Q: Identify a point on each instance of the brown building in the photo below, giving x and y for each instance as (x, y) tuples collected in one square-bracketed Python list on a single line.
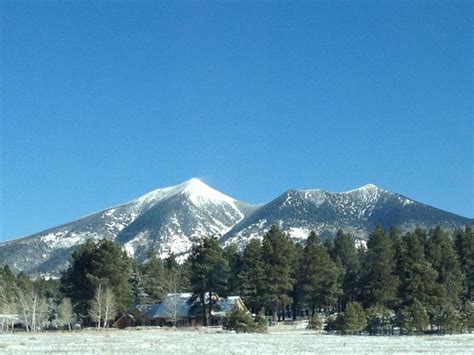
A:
[(176, 309)]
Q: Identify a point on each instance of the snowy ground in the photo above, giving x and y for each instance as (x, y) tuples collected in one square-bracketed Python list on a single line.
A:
[(281, 341)]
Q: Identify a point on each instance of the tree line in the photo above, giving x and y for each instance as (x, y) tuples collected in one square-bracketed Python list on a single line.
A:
[(419, 281)]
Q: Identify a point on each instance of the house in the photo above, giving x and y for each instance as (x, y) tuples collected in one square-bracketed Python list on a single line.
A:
[(176, 309), (125, 321), (12, 321), (137, 316)]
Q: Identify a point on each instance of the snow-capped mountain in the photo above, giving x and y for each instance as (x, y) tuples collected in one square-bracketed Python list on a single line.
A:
[(175, 216), (356, 212), (167, 220)]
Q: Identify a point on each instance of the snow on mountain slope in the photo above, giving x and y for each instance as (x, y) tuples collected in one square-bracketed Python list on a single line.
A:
[(198, 192), (169, 219), (182, 213), (356, 212), (166, 220)]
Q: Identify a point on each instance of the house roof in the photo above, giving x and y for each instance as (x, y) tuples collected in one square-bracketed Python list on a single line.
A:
[(124, 316), (167, 308), (13, 318), (226, 305), (179, 302)]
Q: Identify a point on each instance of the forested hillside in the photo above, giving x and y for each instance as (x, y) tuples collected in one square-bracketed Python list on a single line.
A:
[(418, 281)]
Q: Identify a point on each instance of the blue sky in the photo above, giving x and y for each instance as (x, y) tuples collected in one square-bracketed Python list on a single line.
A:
[(104, 101)]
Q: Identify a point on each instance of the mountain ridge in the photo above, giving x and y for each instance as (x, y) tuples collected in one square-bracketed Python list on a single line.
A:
[(169, 219)]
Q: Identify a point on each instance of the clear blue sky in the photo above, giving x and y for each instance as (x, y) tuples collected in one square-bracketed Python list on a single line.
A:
[(104, 101)]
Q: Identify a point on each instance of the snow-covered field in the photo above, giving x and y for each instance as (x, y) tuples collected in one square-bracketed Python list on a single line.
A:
[(281, 341)]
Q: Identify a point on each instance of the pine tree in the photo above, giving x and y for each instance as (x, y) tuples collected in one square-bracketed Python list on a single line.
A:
[(112, 264), (380, 320), (137, 286), (250, 276), (440, 253), (379, 280), (74, 281), (445, 317), (241, 321), (345, 255), (185, 272), (170, 264), (329, 245), (467, 317), (96, 263), (297, 294), (414, 317), (320, 276), (464, 245), (9, 283), (417, 277), (278, 264), (354, 319), (234, 260), (153, 277), (209, 274)]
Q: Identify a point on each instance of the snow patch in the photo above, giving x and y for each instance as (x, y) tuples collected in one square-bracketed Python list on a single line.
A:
[(299, 233)]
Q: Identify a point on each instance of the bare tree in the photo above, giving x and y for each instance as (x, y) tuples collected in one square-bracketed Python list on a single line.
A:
[(33, 307), (103, 306), (8, 306), (3, 307), (7, 309), (171, 307), (24, 307), (39, 311), (96, 306), (66, 314), (173, 283), (110, 308)]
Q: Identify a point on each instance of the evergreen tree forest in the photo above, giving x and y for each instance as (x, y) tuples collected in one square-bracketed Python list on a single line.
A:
[(419, 282)]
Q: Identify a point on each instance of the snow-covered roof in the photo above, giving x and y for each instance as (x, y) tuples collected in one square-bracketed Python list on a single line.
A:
[(12, 318), (226, 305)]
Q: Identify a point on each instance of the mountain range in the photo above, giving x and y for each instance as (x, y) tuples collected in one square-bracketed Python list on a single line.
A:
[(168, 220)]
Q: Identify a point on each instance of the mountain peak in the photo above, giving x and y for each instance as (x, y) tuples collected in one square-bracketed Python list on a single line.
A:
[(369, 187), (196, 190), (193, 181), (366, 188), (194, 185), (171, 218)]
